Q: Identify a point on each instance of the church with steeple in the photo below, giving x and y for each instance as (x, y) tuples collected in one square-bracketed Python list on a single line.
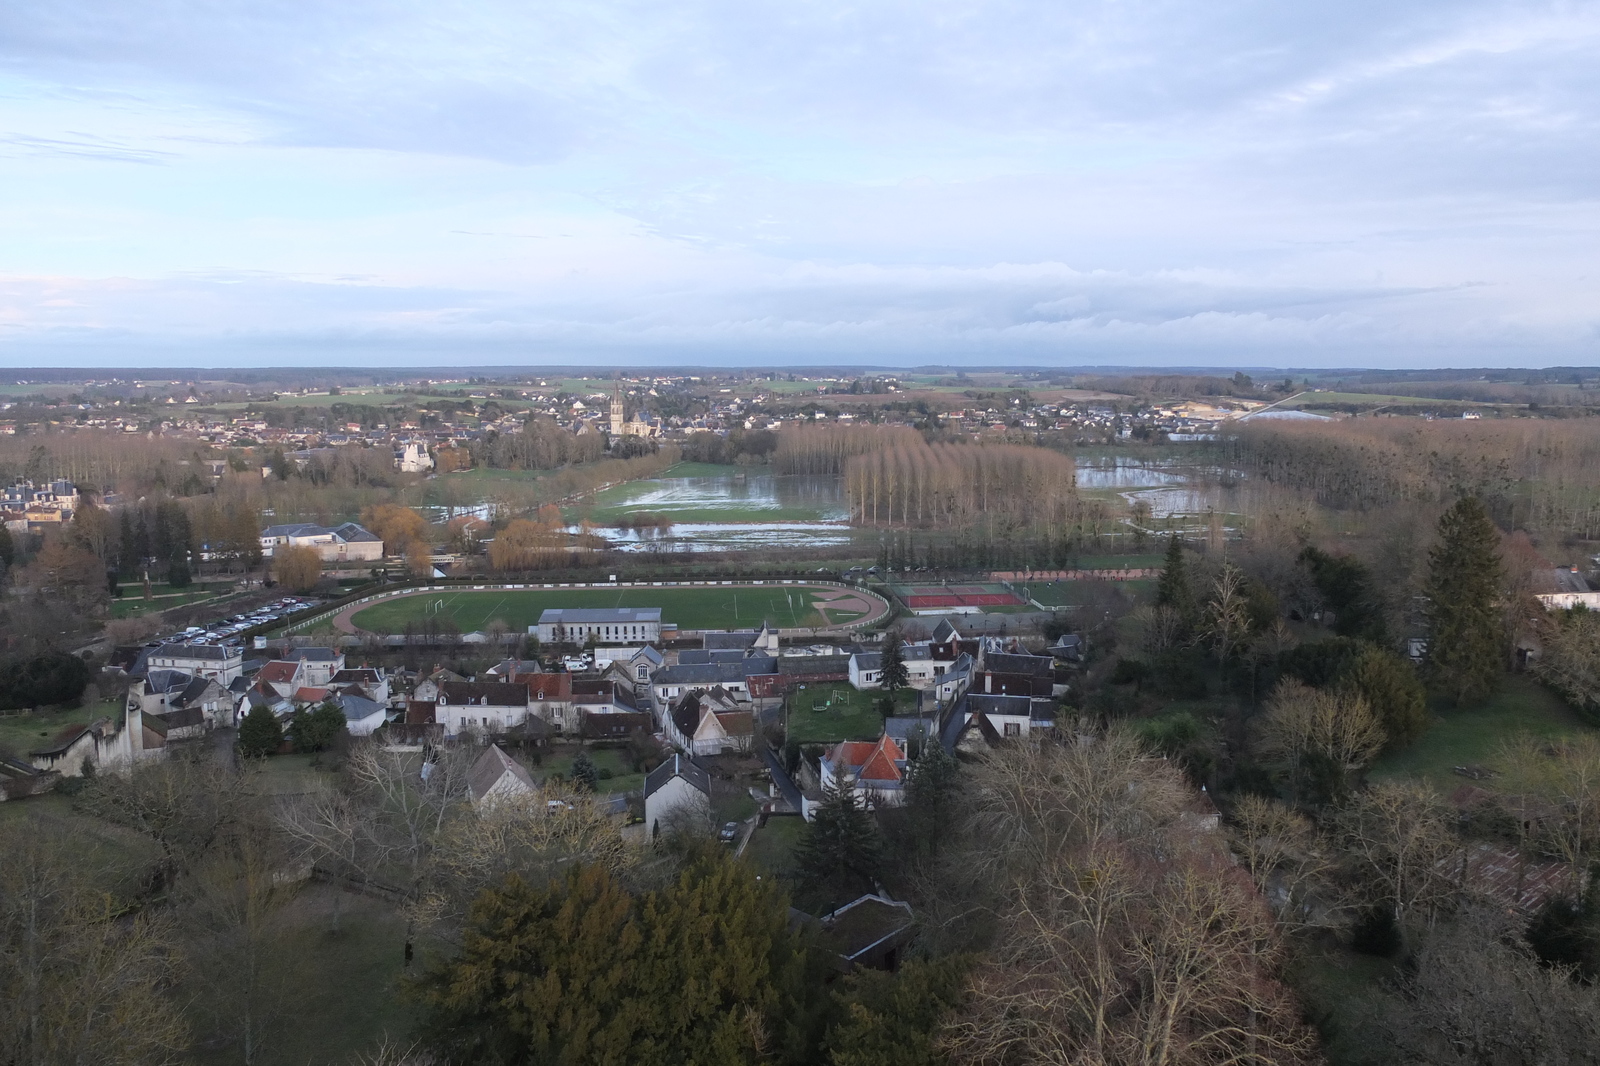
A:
[(640, 426)]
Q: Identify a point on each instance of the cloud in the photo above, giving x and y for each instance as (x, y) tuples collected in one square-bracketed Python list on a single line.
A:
[(998, 179)]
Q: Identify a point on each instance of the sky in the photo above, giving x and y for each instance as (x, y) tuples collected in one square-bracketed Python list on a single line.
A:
[(1074, 182)]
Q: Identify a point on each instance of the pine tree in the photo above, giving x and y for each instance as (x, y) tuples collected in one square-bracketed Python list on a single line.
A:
[(1172, 590), (841, 854), (584, 774), (1465, 647), (259, 733)]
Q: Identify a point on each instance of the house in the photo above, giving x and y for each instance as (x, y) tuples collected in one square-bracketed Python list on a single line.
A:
[(550, 699), (874, 770), (428, 688), (496, 777), (677, 797), (1010, 716), (201, 703), (712, 723), (794, 671), (955, 680), (671, 682), (911, 732), (636, 667), (1015, 674), (601, 697), (343, 543), (1069, 648), (412, 458), (365, 681), (480, 707), (219, 662), (868, 932), (866, 669), (361, 715), (320, 664), (607, 625), (282, 677), (613, 726)]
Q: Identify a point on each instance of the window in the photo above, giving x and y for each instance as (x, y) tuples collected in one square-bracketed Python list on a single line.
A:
[(1013, 729), (643, 673)]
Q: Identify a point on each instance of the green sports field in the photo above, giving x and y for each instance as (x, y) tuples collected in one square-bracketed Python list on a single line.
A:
[(709, 607)]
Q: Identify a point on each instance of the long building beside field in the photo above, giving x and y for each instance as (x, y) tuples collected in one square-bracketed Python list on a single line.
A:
[(609, 625)]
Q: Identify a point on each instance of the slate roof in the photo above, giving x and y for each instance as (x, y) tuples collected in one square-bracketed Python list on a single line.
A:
[(693, 657), (867, 660), (477, 693), (356, 708), (490, 767), (677, 765), (705, 674), (555, 616), (813, 665), (1027, 665), (178, 650)]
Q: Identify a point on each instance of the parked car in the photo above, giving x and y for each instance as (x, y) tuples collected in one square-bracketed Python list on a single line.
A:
[(730, 833)]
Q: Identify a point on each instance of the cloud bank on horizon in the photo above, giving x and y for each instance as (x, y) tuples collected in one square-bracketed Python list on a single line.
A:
[(611, 181)]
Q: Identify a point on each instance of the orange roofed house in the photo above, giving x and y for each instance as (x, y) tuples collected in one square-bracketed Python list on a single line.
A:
[(875, 769)]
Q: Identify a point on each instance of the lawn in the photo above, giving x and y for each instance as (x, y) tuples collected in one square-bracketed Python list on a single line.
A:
[(720, 607), (622, 779), (342, 991), (771, 847), (133, 604), (1471, 736), (284, 775), (24, 731), (823, 713)]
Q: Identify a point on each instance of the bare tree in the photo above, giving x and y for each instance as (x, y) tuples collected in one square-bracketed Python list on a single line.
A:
[(1280, 848), (80, 981), (1311, 728), (1556, 786), (1227, 619), (1477, 995), (1398, 834), (1124, 934)]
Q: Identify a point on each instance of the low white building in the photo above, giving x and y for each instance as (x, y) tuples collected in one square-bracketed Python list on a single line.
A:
[(608, 625), (217, 662), (468, 706), (344, 543), (412, 458)]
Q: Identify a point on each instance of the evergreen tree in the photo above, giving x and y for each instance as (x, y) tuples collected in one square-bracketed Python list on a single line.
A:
[(260, 733), (316, 728), (840, 855), (584, 774), (1172, 590), (1390, 686), (1465, 645), (892, 664), (892, 1019), (933, 787), (8, 547), (578, 971), (1346, 587)]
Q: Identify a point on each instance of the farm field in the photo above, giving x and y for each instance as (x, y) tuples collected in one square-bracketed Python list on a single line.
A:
[(1473, 735), (709, 607)]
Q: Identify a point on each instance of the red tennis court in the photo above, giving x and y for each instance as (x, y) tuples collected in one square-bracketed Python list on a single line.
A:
[(925, 597)]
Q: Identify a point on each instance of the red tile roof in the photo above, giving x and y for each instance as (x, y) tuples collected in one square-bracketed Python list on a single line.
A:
[(279, 670)]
